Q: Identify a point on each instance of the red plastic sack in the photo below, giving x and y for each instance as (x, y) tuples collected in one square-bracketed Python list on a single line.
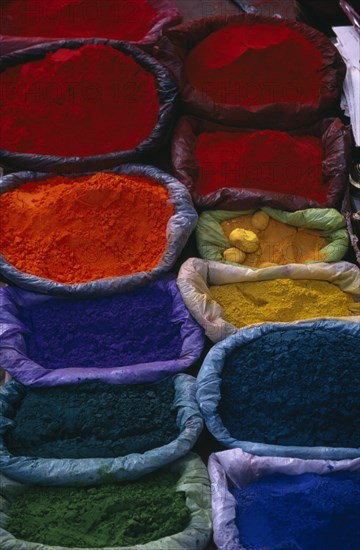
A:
[(174, 47), (167, 14), (336, 143)]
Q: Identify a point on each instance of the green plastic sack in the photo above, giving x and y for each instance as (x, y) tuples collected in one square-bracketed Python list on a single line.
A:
[(194, 481), (211, 240)]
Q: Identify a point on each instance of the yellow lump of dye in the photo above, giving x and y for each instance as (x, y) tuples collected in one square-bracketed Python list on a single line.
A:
[(280, 243), (281, 300)]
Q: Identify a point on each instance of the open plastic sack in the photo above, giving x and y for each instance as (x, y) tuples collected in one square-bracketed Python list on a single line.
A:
[(166, 16), (196, 276), (237, 468), (88, 471), (180, 227), (209, 383), (335, 138), (193, 480), (212, 242), (176, 43), (167, 92), (15, 360)]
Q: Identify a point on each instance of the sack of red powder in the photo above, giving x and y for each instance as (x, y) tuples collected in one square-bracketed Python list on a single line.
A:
[(239, 169), (253, 71), (24, 23), (97, 233), (78, 105)]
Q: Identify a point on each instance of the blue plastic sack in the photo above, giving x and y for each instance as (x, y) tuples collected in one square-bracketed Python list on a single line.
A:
[(209, 380), (179, 228), (14, 359), (92, 471)]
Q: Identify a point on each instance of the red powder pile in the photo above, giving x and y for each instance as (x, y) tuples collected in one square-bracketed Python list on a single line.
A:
[(88, 101), (87, 228), (118, 19), (254, 64), (270, 160)]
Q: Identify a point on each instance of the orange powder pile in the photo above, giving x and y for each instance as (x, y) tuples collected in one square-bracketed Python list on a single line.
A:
[(87, 228), (280, 243)]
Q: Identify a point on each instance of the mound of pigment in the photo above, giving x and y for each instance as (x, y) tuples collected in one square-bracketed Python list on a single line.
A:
[(126, 514), (129, 20), (306, 512), (255, 64), (281, 300), (294, 387), (88, 101), (269, 160), (86, 228), (93, 420), (108, 332), (280, 243)]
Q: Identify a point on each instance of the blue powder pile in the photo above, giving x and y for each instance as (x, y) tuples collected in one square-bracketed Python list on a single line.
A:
[(305, 512), (109, 332), (294, 387)]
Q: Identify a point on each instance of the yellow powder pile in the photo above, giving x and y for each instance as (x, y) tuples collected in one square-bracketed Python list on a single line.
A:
[(281, 300), (280, 243)]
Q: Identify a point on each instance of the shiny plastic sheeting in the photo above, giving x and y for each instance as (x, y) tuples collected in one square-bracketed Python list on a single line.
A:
[(92, 471), (336, 141), (193, 481), (15, 361), (209, 380), (238, 468), (180, 227), (196, 276)]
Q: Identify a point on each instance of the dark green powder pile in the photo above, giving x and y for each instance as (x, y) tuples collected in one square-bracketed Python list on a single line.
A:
[(93, 420), (113, 515)]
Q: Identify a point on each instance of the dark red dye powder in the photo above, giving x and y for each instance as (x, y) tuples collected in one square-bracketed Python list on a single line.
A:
[(118, 19), (270, 160), (88, 101), (255, 64)]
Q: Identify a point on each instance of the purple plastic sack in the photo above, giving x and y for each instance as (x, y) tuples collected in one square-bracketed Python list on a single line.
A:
[(234, 467), (13, 351)]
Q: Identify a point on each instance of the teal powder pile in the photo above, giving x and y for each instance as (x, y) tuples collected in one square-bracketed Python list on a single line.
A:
[(130, 513), (93, 420), (304, 512)]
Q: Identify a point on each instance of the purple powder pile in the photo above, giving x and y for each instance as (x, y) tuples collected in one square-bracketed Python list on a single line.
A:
[(107, 332), (304, 512)]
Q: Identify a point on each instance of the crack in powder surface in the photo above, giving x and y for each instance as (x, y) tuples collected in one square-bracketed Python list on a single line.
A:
[(86, 228), (93, 420)]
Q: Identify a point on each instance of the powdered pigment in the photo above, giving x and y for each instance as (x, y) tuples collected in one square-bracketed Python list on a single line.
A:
[(109, 332), (267, 159), (281, 300), (280, 243), (255, 64), (94, 419), (294, 387), (130, 513), (86, 228), (75, 18), (87, 101), (306, 512)]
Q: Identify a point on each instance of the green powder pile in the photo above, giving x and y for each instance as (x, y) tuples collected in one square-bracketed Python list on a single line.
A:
[(129, 513)]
